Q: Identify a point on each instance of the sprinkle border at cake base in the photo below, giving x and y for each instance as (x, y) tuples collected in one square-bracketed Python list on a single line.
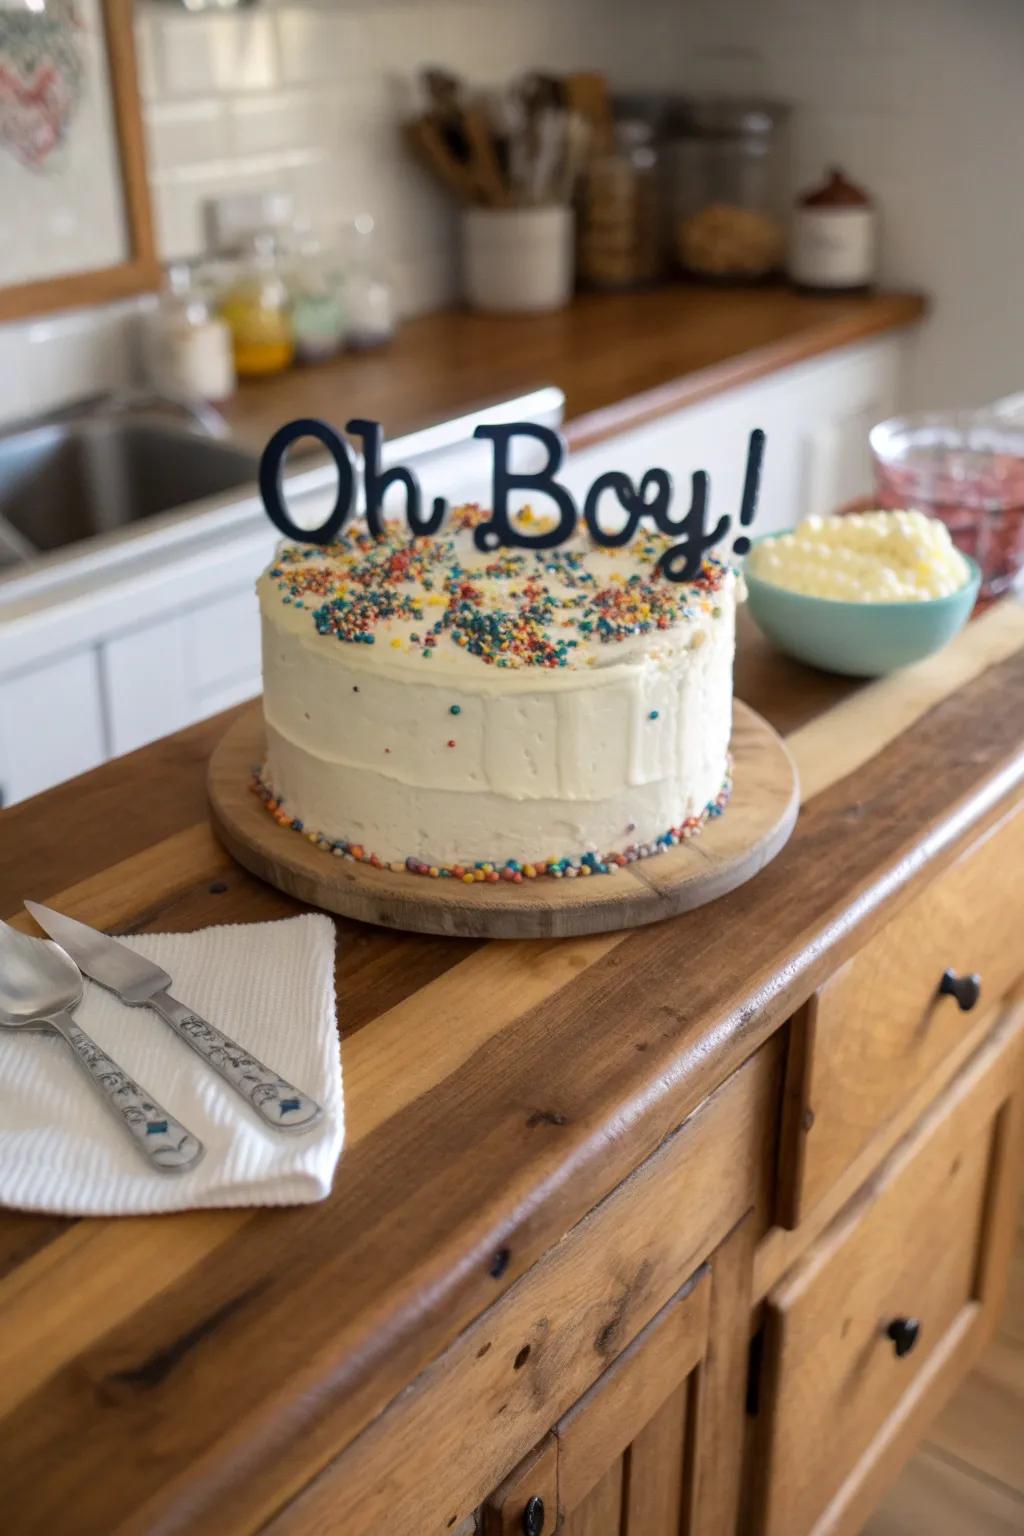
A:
[(512, 871)]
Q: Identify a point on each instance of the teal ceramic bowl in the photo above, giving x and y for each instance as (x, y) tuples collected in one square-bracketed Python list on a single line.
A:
[(858, 639)]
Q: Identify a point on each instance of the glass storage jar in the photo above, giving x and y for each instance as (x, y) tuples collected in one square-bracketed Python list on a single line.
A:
[(186, 346), (966, 468), (371, 308), (621, 212), (257, 308), (730, 190)]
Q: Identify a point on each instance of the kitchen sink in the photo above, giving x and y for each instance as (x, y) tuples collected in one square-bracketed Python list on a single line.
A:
[(65, 481)]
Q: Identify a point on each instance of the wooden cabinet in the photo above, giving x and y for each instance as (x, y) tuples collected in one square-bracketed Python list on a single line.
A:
[(527, 1362), (654, 1447), (605, 1393), (865, 1334), (882, 1025), (621, 1462)]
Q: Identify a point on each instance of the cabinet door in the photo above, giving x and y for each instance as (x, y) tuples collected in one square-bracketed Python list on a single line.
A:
[(882, 1025), (51, 725), (181, 668), (653, 1448), (868, 1334), (816, 417)]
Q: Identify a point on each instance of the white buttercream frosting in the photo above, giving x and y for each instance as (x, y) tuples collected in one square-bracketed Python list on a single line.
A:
[(572, 701)]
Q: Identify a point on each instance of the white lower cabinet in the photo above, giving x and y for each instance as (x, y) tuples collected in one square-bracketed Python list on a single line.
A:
[(168, 674), (816, 417), (51, 724)]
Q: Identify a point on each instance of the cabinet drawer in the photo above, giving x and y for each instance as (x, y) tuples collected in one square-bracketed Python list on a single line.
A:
[(862, 1339), (881, 1026)]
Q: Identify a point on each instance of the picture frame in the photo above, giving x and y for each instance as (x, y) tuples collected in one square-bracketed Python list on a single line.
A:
[(111, 147)]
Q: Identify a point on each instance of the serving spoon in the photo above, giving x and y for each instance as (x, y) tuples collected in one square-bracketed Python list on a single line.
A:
[(40, 985)]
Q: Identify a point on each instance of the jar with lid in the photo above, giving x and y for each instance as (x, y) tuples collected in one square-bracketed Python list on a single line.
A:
[(370, 297), (834, 237), (621, 210), (186, 346), (257, 307), (729, 171), (317, 283)]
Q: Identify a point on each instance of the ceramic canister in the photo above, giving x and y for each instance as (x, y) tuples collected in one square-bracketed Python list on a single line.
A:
[(834, 237)]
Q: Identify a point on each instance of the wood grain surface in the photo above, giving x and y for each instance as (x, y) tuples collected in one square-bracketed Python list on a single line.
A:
[(495, 1093), (908, 1245), (729, 850), (988, 1097), (852, 1082), (621, 359)]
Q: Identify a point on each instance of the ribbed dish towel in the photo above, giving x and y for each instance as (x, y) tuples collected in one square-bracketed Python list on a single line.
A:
[(268, 985)]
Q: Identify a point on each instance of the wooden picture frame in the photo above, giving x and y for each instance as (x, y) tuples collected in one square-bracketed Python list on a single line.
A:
[(139, 271)]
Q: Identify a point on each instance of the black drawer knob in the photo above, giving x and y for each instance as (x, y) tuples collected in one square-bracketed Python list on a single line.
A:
[(904, 1332), (533, 1517), (966, 989)]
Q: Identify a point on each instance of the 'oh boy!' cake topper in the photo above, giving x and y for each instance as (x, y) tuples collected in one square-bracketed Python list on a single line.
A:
[(651, 499)]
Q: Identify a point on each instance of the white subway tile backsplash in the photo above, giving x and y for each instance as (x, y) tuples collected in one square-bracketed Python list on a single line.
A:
[(917, 99), (146, 25), (425, 279), (46, 362), (198, 54), (320, 44), (181, 132), (284, 120), (179, 194)]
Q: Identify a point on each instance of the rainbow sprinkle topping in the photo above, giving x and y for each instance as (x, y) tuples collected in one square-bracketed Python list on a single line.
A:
[(515, 608)]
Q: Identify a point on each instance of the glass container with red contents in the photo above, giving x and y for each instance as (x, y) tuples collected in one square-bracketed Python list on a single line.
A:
[(967, 468)]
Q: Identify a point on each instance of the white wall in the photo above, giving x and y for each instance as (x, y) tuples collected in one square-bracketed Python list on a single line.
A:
[(303, 96), (923, 102), (306, 96), (919, 99)]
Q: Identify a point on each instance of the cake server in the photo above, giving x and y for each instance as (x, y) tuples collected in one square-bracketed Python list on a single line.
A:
[(40, 987), (140, 983)]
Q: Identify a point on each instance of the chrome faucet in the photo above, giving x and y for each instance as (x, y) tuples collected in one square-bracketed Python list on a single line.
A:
[(142, 399)]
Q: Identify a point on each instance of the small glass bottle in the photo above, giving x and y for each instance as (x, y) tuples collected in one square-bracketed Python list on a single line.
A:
[(318, 300), (257, 308), (370, 298), (186, 346)]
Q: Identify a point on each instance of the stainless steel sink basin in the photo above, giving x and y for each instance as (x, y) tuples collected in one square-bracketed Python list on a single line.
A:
[(68, 480)]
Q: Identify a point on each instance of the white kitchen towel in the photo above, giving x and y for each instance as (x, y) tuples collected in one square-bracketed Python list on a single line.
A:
[(270, 986)]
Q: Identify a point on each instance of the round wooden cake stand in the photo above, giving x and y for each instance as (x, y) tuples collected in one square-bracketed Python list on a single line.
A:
[(728, 851)]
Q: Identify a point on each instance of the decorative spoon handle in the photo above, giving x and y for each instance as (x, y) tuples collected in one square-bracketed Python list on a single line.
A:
[(278, 1103), (161, 1139)]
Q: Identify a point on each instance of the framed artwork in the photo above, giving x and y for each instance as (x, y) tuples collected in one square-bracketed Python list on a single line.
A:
[(76, 225)]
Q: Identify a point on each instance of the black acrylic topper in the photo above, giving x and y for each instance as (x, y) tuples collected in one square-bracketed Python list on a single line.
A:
[(652, 499)]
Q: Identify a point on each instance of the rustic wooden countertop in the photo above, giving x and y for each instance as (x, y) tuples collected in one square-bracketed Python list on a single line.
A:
[(621, 359), (191, 1374)]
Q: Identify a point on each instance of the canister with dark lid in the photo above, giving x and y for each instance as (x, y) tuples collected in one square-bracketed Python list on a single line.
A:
[(834, 240)]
